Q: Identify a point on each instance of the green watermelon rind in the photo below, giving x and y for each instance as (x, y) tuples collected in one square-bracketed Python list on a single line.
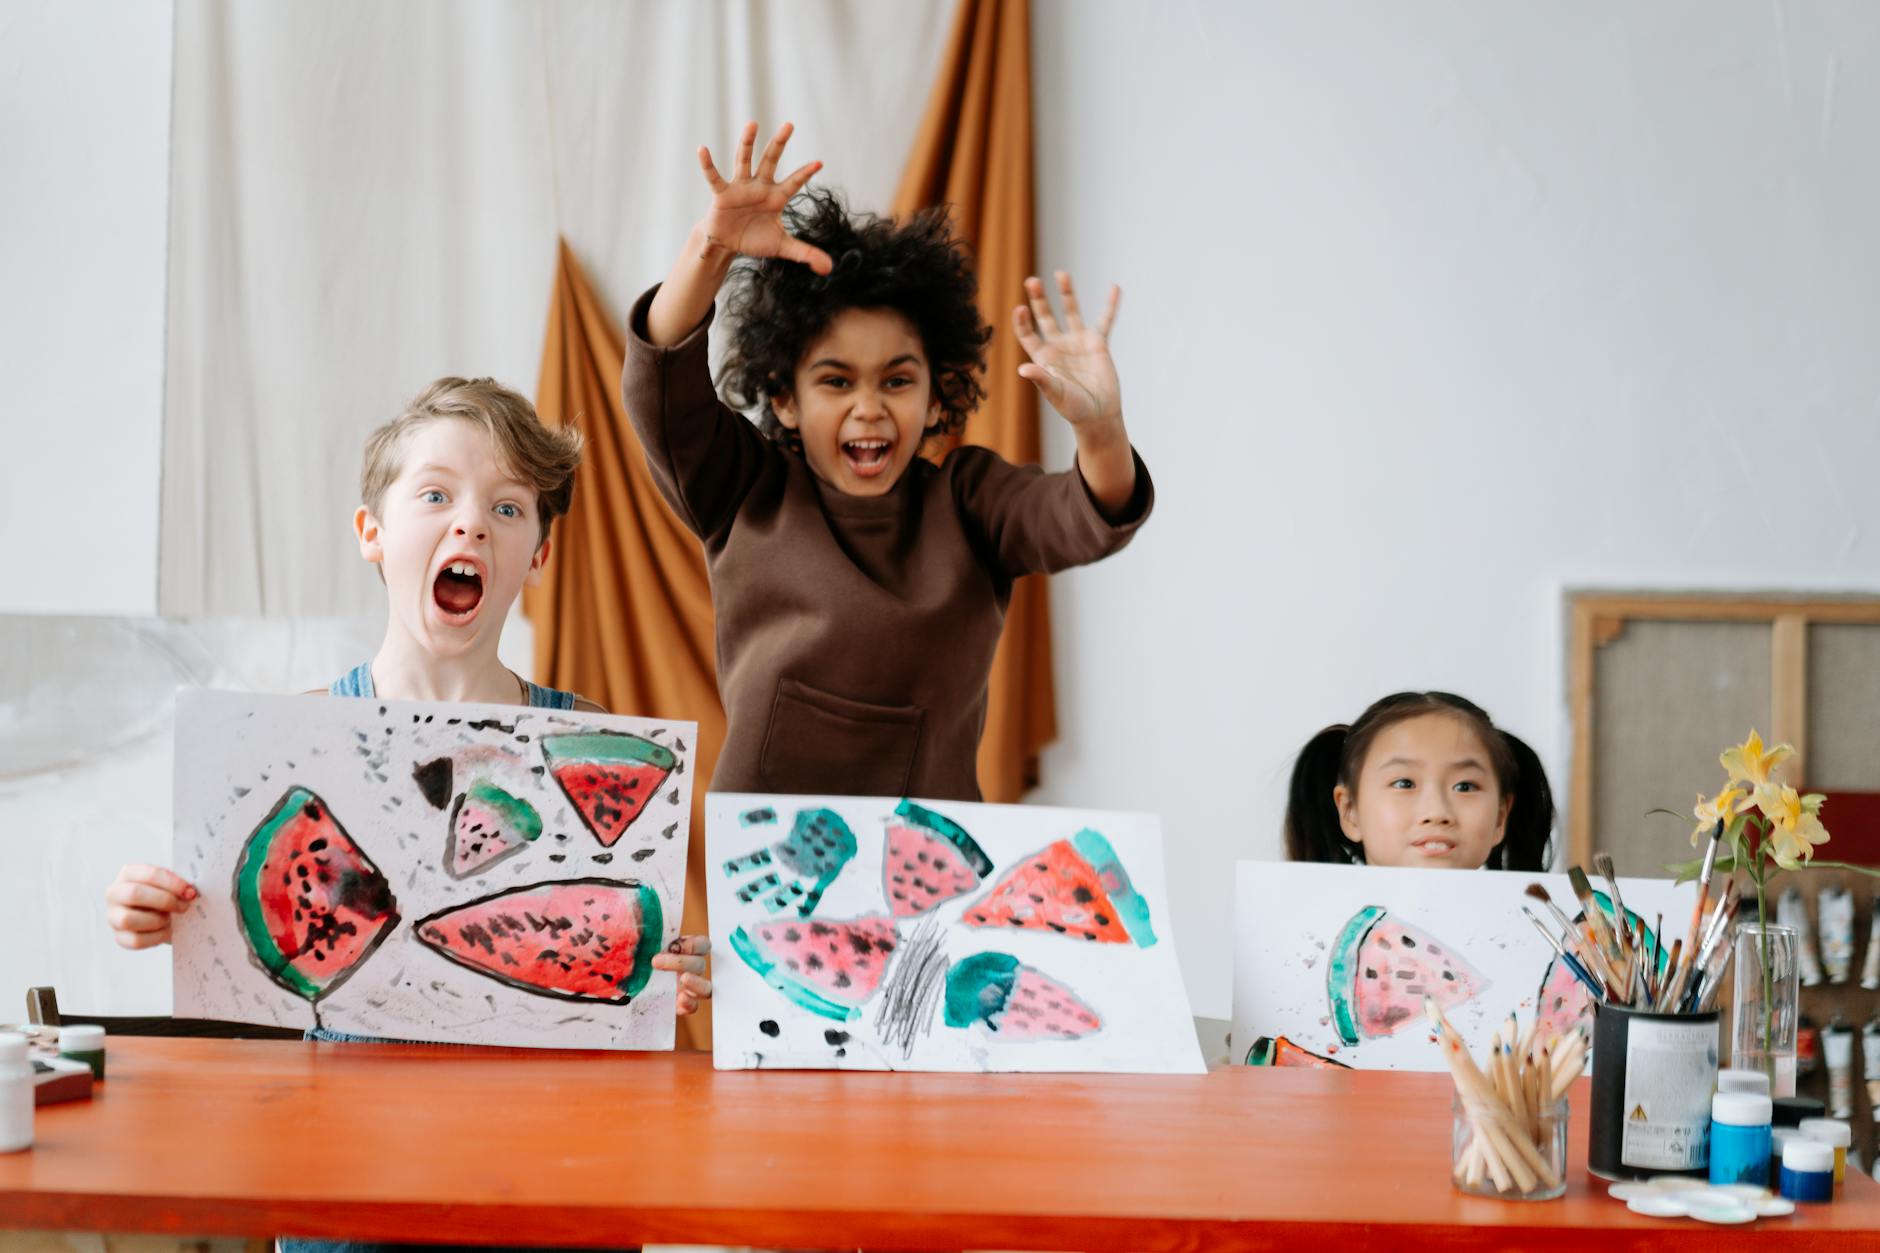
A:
[(800, 994), (966, 982), (605, 748), (517, 812), (1131, 910), (1341, 972), (277, 964), (948, 830), (651, 941)]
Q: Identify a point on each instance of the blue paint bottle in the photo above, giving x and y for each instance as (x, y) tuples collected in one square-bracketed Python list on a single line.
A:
[(1739, 1138), (1807, 1170)]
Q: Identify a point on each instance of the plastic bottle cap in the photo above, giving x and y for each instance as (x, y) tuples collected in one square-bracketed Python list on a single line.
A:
[(1804, 1155), (1829, 1131), (12, 1048), (1742, 1081), (1741, 1109), (81, 1039)]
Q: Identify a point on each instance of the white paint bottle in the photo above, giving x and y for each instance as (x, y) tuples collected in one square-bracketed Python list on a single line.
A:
[(16, 1093)]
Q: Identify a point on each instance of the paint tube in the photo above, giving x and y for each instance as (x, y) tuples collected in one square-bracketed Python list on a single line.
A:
[(1791, 911), (1838, 1043), (1835, 908), (1870, 1060), (1870, 969)]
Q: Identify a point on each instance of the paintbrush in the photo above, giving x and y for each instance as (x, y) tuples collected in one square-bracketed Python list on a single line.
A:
[(1573, 963), (1699, 954), (1588, 953), (1604, 864), (1594, 915), (1703, 886), (1706, 967)]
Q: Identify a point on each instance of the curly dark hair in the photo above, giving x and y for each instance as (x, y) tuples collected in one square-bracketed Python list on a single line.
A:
[(919, 268)]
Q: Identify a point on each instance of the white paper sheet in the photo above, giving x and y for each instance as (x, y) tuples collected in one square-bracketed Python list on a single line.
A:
[(818, 963), (440, 803), (1293, 920)]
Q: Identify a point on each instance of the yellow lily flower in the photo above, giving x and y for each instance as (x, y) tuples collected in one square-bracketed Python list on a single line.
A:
[(1794, 823), (1726, 805), (1749, 762)]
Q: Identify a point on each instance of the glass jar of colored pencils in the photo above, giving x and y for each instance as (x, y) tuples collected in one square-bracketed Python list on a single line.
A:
[(1507, 1153)]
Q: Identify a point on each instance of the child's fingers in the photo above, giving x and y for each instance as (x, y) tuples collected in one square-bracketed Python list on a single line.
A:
[(1046, 381), (691, 946), (746, 142), (135, 940), (815, 258), (712, 176), (157, 876), (1109, 311), (773, 151), (803, 173), (686, 1006), (1073, 317), (142, 896), (1027, 336), (673, 961), (140, 921), (696, 985), (1040, 308)]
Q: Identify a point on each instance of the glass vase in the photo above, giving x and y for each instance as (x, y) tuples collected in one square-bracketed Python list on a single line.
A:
[(1767, 1003)]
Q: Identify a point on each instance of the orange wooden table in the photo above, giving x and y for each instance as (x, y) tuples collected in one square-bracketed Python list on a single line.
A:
[(204, 1137)]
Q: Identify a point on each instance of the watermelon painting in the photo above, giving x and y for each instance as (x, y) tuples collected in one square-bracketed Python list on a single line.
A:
[(819, 845), (1277, 1050), (1380, 970), (1076, 888), (930, 859), (1563, 1002), (575, 939), (311, 904), (826, 966), (486, 826), (609, 776), (1015, 1002)]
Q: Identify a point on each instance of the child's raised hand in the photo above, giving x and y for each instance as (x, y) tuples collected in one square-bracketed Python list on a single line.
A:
[(1070, 364), (687, 956), (746, 215), (141, 903)]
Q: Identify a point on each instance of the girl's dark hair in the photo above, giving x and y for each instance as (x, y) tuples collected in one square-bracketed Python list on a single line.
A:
[(1336, 754), (919, 268)]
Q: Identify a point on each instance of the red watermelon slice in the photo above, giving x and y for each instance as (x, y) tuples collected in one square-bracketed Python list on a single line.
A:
[(1075, 887), (312, 905), (1270, 1050), (1381, 969), (577, 939), (488, 825), (1015, 1002), (825, 966), (930, 859), (609, 776)]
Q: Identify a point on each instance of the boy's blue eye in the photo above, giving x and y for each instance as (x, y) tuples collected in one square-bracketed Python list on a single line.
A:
[(433, 497), (1402, 784), (508, 510)]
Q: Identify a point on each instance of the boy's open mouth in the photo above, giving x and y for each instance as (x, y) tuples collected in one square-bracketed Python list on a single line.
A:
[(867, 457), (458, 590)]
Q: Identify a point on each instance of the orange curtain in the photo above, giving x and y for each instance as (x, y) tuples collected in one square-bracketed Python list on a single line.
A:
[(623, 613), (973, 153)]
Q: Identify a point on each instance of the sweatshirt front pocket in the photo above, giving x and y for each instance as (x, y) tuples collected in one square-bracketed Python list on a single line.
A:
[(821, 743)]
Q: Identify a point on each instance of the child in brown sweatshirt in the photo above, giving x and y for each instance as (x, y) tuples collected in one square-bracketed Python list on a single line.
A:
[(860, 589)]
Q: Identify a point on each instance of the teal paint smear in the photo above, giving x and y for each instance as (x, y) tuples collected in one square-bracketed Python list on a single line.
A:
[(949, 830), (806, 998), (517, 814), (1132, 911), (602, 747), (1341, 972), (978, 987)]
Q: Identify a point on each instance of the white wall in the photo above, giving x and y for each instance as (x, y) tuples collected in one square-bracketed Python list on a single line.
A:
[(84, 159), (1432, 311)]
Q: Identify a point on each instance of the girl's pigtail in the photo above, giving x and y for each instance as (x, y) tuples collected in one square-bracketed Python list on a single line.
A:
[(1312, 829), (1527, 844)]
